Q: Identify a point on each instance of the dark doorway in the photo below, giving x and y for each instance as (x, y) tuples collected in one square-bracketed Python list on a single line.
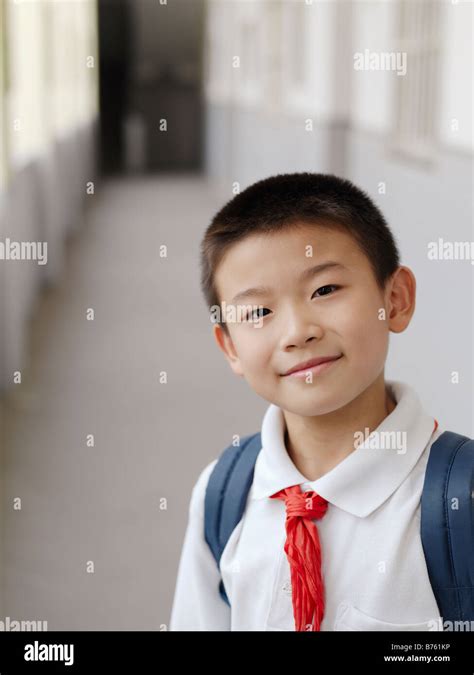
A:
[(151, 107)]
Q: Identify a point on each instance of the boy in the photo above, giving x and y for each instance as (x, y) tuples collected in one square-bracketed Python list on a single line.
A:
[(330, 535)]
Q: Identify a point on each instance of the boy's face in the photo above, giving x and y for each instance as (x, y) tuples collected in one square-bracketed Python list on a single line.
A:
[(336, 312)]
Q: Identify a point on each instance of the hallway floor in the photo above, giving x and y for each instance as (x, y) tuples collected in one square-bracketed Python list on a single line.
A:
[(96, 541)]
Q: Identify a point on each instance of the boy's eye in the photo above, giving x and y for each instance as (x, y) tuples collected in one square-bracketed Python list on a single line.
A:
[(251, 315), (324, 289)]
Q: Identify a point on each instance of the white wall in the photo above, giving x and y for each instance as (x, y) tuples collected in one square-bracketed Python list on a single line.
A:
[(457, 76), (332, 31), (49, 111)]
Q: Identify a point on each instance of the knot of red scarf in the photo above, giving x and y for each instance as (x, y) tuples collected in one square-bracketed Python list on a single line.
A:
[(303, 551)]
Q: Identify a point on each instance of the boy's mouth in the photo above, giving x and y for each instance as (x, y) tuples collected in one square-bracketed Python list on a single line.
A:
[(313, 365)]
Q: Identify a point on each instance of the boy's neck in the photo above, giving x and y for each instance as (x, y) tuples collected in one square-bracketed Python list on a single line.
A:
[(317, 444)]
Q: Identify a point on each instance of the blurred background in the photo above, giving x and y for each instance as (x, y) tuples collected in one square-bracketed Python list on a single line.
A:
[(124, 127)]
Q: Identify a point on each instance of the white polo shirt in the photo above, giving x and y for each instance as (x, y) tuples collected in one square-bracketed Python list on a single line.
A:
[(373, 564)]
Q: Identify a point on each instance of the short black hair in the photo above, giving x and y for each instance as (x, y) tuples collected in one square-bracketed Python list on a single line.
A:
[(284, 200)]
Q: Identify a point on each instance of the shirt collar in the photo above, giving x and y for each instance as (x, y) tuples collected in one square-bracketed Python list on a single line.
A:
[(367, 477)]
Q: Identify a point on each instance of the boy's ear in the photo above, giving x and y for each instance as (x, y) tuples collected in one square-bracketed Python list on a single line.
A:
[(224, 342), (401, 299)]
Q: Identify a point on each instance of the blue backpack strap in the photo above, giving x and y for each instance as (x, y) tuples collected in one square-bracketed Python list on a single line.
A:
[(447, 533), (226, 495)]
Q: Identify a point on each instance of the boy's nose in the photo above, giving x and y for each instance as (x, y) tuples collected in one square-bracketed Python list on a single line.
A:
[(300, 334)]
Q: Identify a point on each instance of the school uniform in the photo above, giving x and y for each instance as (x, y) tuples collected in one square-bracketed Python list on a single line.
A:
[(372, 560)]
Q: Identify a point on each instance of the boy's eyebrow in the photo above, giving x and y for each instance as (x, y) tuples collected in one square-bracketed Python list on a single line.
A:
[(307, 274)]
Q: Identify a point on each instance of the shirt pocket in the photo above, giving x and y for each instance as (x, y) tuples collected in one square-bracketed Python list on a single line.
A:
[(349, 617)]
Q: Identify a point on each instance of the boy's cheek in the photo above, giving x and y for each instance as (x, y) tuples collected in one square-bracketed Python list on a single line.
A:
[(366, 324)]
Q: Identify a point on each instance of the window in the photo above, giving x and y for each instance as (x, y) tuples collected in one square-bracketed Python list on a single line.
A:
[(417, 91)]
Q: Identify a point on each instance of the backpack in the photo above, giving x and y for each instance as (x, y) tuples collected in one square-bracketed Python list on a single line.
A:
[(447, 534)]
